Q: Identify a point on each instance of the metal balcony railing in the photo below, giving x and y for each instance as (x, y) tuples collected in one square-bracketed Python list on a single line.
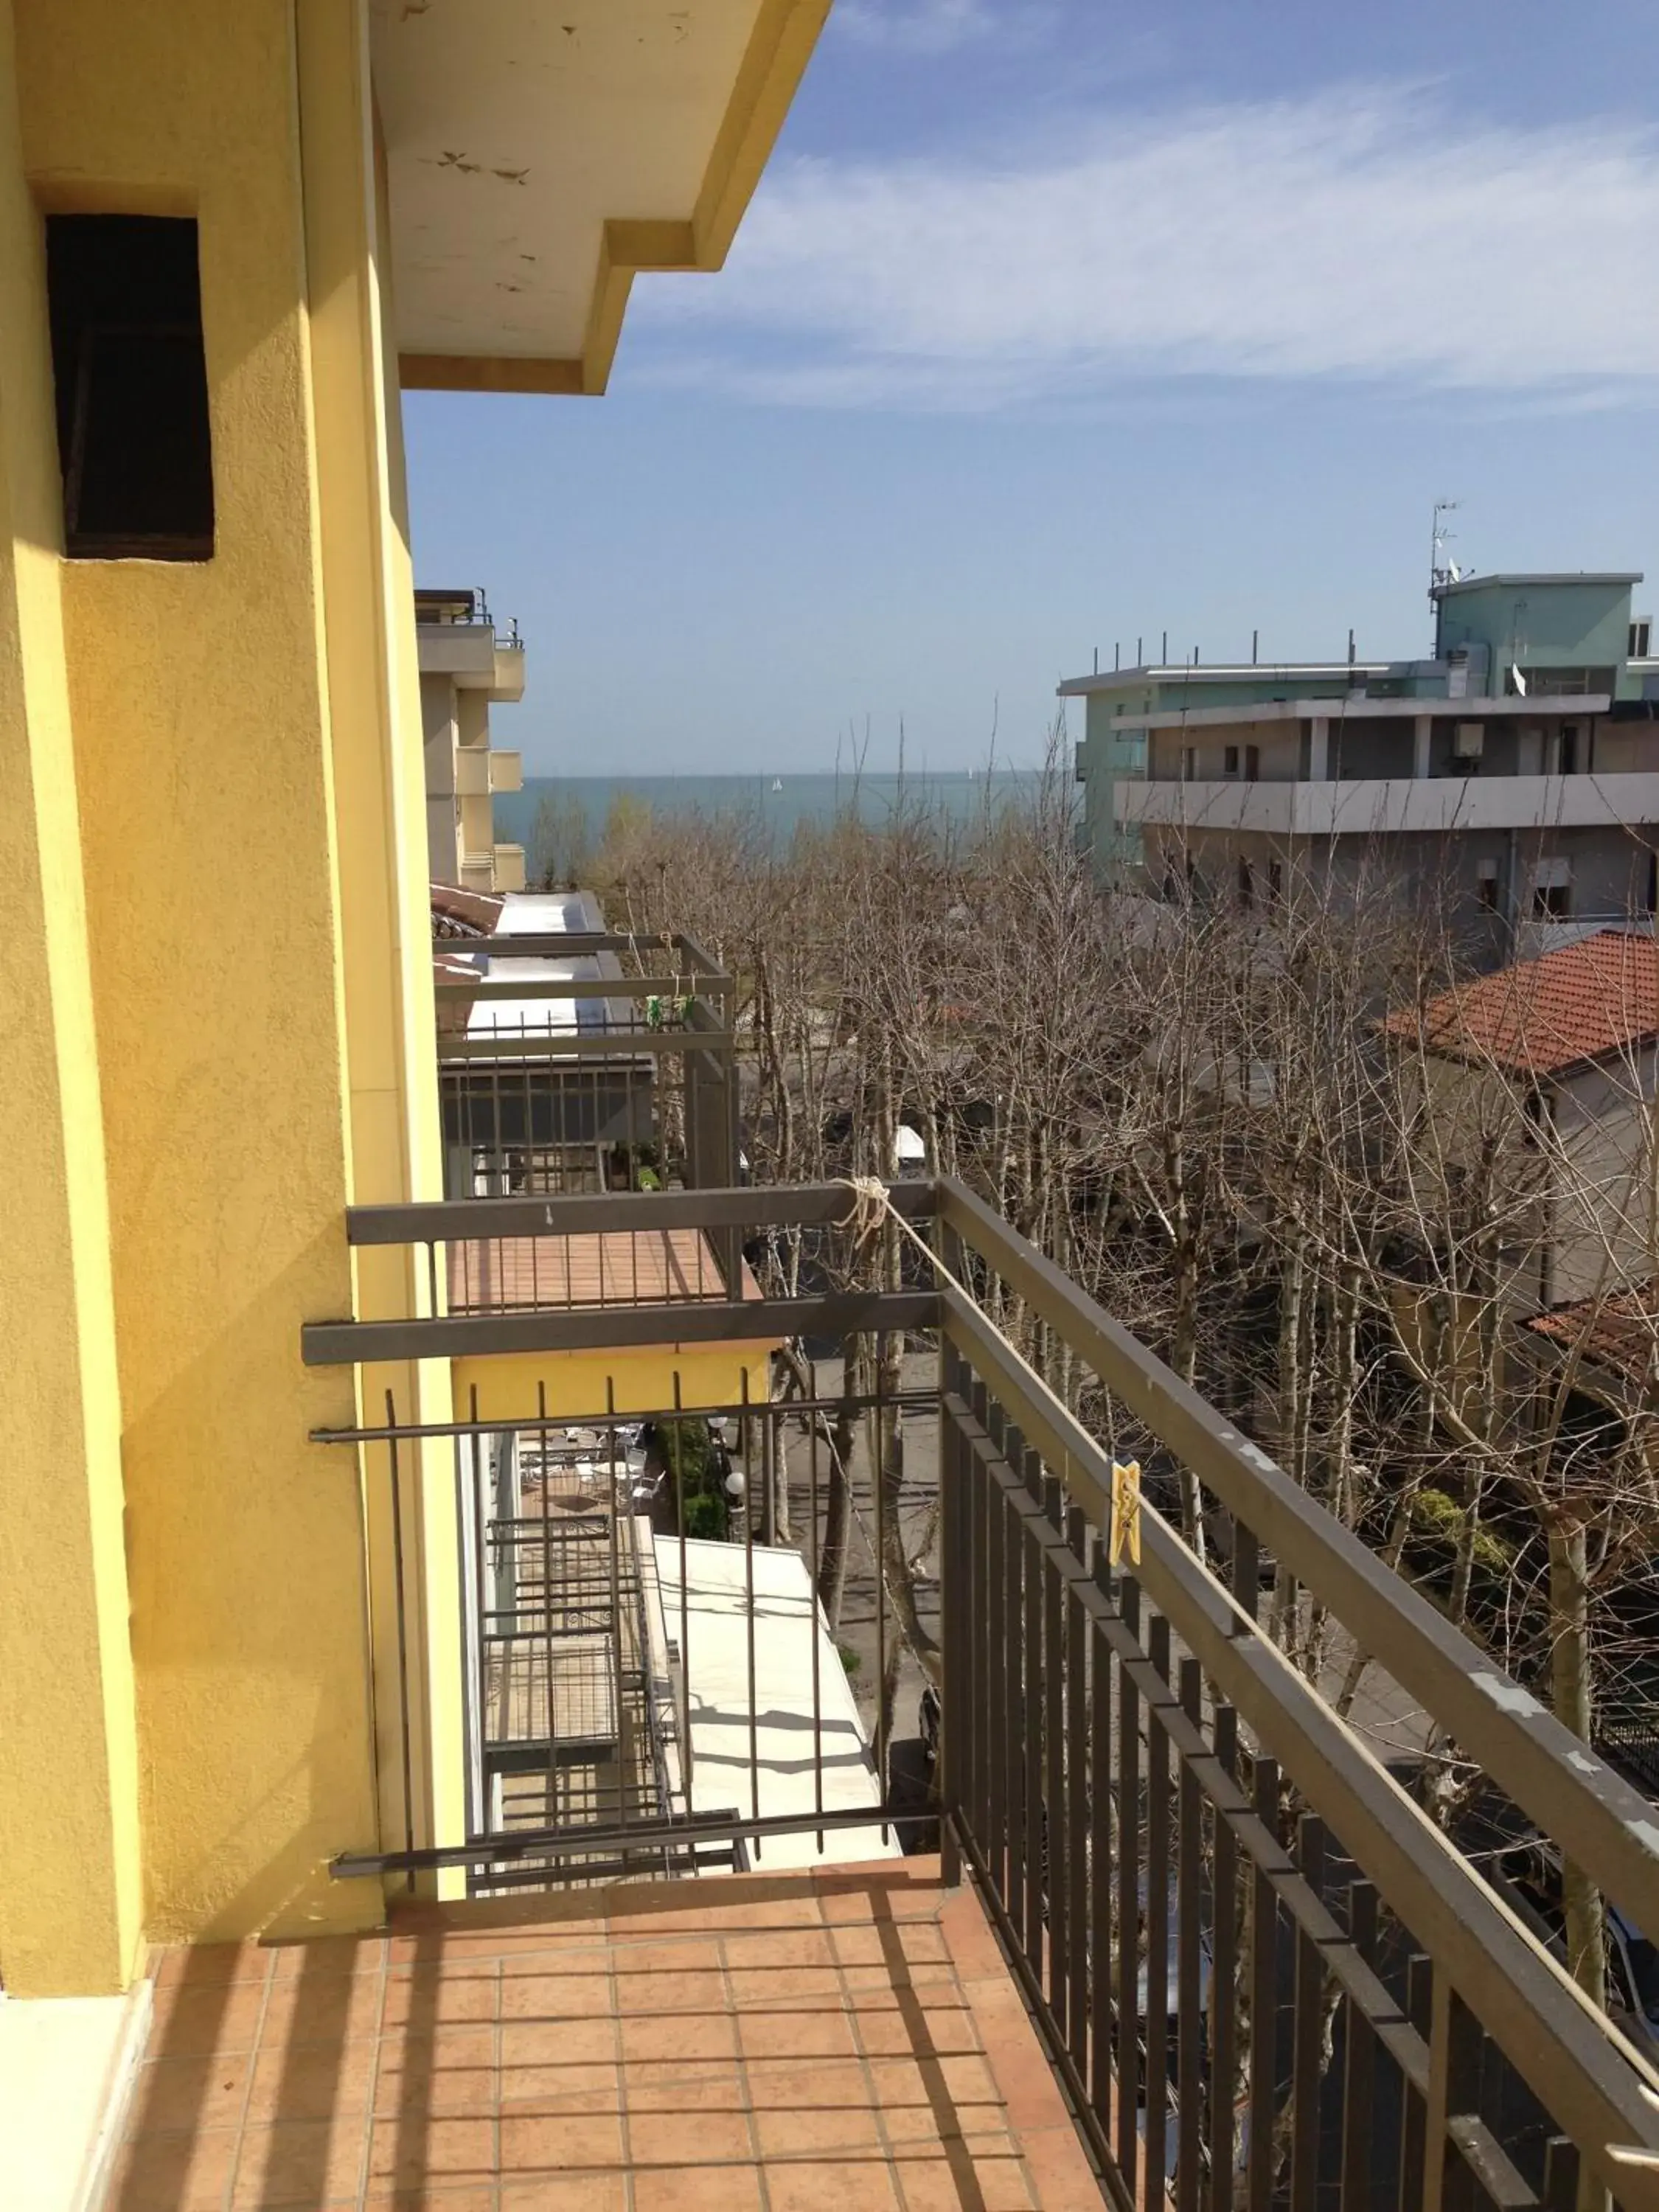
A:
[(615, 1064), (1266, 1976)]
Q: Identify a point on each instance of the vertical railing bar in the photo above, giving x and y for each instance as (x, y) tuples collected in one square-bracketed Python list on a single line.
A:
[(1036, 1824), (1189, 1956), (480, 1807), (547, 1617), (1128, 1903), (1014, 1657), (817, 1700), (749, 1610), (1056, 1830), (685, 1597), (1358, 2062), (1419, 2004), (403, 1636), (615, 1604), (878, 1479), (1157, 1913), (1264, 1999), (1560, 2174), (1076, 1797), (1223, 1980), (998, 1629), (1308, 2029), (981, 1632), (1100, 1863)]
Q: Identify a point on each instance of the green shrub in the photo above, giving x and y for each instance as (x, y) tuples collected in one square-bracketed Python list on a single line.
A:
[(707, 1515)]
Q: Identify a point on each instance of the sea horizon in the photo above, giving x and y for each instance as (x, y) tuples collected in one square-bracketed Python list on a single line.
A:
[(780, 801)]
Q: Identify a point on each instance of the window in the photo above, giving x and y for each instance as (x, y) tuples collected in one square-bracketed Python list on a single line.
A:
[(1552, 889), (1641, 632), (1229, 761), (1246, 885), (1243, 760), (1252, 762), (129, 375), (1485, 885), (1189, 764), (1275, 879), (1561, 751), (1653, 882)]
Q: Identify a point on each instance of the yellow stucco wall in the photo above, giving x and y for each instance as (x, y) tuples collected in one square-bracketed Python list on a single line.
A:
[(508, 1387), (197, 696), (70, 1889), (379, 775), (219, 1033)]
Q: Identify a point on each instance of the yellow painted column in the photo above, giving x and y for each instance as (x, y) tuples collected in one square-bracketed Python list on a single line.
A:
[(69, 1879), (379, 800), (201, 745)]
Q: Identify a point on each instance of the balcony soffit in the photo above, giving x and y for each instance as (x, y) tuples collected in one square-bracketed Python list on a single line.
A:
[(541, 155)]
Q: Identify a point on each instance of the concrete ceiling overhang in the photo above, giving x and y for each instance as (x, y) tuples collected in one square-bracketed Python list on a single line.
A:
[(540, 154)]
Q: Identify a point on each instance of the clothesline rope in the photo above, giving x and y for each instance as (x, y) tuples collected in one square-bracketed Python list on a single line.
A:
[(872, 1208)]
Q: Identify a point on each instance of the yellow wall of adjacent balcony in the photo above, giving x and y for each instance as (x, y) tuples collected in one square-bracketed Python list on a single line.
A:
[(510, 1386), (70, 1901), (200, 700), (374, 684)]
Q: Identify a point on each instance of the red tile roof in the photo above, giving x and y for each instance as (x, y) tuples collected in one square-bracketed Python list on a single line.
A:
[(1619, 1333), (1598, 996)]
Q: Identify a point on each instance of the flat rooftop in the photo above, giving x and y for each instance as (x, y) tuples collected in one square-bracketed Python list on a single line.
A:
[(797, 1757)]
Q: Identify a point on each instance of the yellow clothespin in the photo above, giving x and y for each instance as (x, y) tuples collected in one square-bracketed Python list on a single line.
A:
[(1126, 1514)]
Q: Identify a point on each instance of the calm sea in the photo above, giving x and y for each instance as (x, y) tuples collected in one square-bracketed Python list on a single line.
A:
[(780, 802)]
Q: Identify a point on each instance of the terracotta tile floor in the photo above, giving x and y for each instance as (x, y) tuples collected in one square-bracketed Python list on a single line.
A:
[(847, 2039)]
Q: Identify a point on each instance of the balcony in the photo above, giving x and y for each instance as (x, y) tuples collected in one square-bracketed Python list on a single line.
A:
[(1259, 1973), (509, 867), (1382, 807), (578, 1060), (506, 770), (472, 772)]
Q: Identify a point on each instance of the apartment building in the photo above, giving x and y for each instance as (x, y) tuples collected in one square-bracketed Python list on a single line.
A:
[(1511, 773), (280, 1630), (467, 665)]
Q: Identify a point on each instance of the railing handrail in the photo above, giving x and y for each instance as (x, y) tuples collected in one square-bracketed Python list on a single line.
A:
[(1598, 1819), (761, 1206), (574, 942), (1601, 2090)]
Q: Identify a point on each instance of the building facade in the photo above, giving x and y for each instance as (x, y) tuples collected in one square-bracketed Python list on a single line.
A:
[(1516, 772), (467, 665)]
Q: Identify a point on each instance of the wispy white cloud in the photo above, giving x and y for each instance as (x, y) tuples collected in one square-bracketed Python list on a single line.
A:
[(1359, 235), (916, 26)]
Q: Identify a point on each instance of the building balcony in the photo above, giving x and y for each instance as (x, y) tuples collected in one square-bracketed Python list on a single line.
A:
[(506, 770), (1432, 806), (1257, 1971), (472, 772), (580, 1059), (474, 655), (509, 867)]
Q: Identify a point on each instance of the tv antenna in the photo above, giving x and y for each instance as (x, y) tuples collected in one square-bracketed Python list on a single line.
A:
[(1442, 571)]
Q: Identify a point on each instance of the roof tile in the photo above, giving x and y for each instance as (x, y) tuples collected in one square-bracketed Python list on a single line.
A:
[(1598, 996)]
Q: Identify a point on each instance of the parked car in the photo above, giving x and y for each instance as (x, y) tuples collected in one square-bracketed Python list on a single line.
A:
[(1528, 1875)]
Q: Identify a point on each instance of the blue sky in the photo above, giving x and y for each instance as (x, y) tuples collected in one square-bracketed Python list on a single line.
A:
[(1056, 322)]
